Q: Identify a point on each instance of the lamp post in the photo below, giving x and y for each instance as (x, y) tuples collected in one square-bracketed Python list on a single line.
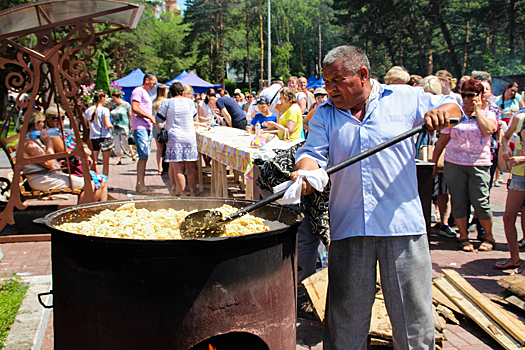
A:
[(269, 47)]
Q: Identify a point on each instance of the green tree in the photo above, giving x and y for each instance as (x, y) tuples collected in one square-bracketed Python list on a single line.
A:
[(102, 79)]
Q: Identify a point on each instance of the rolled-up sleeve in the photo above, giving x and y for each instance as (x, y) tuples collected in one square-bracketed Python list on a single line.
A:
[(316, 146)]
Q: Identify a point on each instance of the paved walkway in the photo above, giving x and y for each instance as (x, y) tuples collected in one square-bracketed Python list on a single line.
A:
[(33, 258)]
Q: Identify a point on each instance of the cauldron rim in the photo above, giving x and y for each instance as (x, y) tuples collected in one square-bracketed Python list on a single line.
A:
[(46, 221)]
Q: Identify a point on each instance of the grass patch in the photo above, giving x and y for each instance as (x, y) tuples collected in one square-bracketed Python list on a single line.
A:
[(12, 292)]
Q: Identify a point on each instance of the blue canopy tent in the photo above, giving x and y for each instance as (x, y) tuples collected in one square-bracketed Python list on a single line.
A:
[(179, 77), (130, 82), (198, 85), (311, 79), (316, 83)]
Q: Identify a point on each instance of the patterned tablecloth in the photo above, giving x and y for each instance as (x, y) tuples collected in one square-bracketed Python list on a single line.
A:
[(233, 147)]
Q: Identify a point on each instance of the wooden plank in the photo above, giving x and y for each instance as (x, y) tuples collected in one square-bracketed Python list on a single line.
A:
[(224, 180), (199, 173), (316, 287), (514, 300), (514, 283), (476, 314), (44, 237), (249, 189), (515, 328), (439, 297)]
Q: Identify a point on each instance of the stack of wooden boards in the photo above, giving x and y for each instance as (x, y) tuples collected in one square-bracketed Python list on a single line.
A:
[(515, 294), (380, 327), (463, 298)]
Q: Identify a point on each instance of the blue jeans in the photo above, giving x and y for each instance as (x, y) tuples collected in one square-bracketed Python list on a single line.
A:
[(309, 250), (143, 140), (406, 280)]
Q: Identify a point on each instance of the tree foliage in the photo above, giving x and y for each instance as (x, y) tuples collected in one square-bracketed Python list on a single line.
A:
[(422, 35), (102, 78)]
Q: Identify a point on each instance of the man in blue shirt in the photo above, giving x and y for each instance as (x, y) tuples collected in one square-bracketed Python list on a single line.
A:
[(375, 211), (230, 111)]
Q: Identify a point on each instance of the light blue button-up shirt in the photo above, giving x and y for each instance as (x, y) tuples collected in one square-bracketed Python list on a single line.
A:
[(377, 196)]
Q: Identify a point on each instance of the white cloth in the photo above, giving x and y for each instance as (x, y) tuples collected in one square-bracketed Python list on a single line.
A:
[(317, 178)]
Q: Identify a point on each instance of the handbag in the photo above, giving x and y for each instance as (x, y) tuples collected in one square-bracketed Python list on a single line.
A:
[(160, 128), (75, 165), (131, 141), (107, 145)]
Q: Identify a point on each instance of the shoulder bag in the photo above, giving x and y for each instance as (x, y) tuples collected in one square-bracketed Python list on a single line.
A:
[(106, 145), (160, 128)]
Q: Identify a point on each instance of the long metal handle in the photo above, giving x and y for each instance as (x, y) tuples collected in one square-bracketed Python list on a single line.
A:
[(334, 169)]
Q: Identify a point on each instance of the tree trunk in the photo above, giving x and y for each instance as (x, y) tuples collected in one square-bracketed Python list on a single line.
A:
[(262, 40), (512, 28), (430, 66), (320, 40), (248, 47), (221, 48), (448, 38), (466, 46), (421, 53)]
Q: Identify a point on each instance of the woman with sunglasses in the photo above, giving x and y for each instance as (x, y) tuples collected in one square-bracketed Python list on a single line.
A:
[(467, 164), (65, 142)]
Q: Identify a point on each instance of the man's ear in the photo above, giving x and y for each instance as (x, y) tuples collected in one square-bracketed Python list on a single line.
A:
[(363, 74)]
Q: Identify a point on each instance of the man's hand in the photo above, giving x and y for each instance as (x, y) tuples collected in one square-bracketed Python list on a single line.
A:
[(306, 188), (439, 118), (304, 164)]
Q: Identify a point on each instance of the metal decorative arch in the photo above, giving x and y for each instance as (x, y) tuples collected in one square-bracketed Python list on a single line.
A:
[(55, 67)]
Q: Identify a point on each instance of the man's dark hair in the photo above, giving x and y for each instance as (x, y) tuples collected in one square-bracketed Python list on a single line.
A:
[(176, 89), (149, 76)]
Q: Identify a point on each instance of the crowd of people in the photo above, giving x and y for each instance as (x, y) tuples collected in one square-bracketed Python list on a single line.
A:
[(374, 207)]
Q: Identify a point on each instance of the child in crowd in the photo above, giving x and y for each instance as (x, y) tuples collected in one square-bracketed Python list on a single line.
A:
[(264, 115)]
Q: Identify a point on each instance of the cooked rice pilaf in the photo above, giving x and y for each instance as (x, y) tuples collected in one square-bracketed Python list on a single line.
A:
[(130, 222)]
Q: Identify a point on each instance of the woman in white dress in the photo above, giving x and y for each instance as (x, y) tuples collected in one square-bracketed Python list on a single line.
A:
[(181, 149)]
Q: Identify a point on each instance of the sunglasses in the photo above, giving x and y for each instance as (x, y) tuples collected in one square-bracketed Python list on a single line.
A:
[(469, 95), (56, 118)]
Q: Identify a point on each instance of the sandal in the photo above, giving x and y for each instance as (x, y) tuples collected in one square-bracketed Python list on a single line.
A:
[(487, 245), (521, 243), (465, 245), (447, 231), (507, 264), (519, 270)]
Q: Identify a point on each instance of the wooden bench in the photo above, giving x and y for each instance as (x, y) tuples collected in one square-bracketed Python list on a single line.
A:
[(10, 145)]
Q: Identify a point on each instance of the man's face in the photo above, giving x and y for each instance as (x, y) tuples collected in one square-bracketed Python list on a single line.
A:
[(320, 99), (303, 83), (345, 90), (150, 83)]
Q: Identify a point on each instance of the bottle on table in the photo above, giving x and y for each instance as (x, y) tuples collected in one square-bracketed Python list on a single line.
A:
[(258, 128)]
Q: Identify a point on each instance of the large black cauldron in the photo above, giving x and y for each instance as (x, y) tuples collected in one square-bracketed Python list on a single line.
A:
[(174, 294)]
